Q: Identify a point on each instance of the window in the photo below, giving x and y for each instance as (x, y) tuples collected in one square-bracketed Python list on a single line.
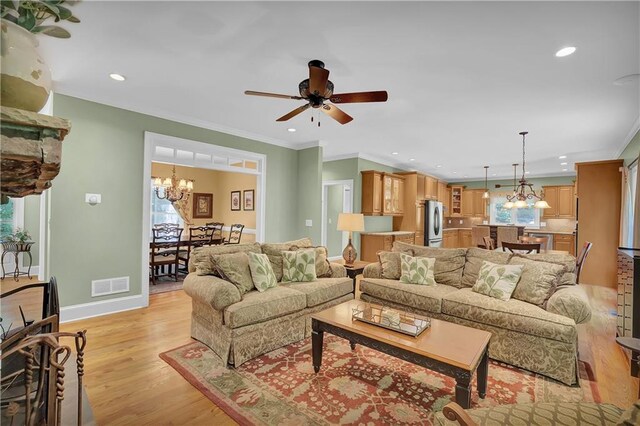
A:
[(162, 211), (7, 221), (528, 217)]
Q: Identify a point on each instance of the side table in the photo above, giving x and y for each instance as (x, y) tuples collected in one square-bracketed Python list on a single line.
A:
[(633, 344), (15, 248), (354, 270)]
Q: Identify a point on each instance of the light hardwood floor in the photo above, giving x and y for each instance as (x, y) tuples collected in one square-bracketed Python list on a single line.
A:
[(129, 384)]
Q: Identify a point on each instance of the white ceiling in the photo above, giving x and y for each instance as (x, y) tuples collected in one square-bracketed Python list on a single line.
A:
[(463, 78)]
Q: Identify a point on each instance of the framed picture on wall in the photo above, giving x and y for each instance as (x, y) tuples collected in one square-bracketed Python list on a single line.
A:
[(202, 205), (248, 199), (235, 201)]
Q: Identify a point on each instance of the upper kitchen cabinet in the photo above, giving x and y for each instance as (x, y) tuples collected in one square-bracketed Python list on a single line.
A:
[(467, 207), (456, 201), (479, 203), (382, 193), (561, 200), (430, 188)]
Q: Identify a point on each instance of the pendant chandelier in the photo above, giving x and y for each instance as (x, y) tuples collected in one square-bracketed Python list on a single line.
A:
[(486, 187), (172, 189), (524, 190)]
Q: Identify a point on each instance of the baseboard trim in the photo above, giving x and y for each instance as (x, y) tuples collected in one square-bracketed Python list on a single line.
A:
[(102, 307)]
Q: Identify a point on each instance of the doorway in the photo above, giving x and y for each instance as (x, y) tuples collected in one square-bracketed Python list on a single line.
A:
[(337, 197)]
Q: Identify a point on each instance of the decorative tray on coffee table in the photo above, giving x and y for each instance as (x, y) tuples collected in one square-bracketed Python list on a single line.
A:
[(392, 319)]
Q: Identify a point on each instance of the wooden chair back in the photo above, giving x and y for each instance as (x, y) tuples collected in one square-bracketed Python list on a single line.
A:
[(164, 250), (489, 244), (166, 225), (235, 234), (217, 237), (582, 257), (521, 247), (200, 236)]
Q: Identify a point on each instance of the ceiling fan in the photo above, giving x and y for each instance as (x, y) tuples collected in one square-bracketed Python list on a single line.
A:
[(317, 90)]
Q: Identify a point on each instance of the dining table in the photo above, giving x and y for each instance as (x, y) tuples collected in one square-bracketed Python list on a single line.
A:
[(502, 249)]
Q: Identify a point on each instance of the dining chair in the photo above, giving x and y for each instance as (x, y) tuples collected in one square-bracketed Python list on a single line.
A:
[(217, 237), (478, 233), (199, 236), (164, 252), (582, 257), (489, 244), (521, 247), (165, 225), (235, 234), (506, 233)]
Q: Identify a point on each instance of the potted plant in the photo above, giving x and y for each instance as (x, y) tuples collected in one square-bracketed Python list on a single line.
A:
[(18, 240), (25, 78)]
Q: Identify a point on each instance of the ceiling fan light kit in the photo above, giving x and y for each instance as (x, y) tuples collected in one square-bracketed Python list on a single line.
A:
[(317, 90)]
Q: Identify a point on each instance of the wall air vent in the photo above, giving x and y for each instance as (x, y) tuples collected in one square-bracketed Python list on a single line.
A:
[(109, 286)]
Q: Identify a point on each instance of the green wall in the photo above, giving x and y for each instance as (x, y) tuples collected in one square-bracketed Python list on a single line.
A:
[(309, 198), (334, 208), (508, 183), (32, 224), (632, 151), (104, 154)]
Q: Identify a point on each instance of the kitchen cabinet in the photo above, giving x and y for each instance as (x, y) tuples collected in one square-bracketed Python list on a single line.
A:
[(450, 238), (446, 202), (442, 191), (382, 194), (467, 203), (565, 243), (464, 238), (456, 201), (373, 242), (479, 203), (561, 200), (430, 188)]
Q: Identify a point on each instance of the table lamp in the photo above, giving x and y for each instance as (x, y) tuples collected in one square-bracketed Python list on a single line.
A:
[(351, 222)]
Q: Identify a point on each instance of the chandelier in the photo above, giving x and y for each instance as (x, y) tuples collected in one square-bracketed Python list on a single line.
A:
[(172, 189), (523, 190)]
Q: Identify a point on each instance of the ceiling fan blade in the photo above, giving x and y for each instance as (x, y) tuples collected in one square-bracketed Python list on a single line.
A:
[(350, 98), (318, 80), (293, 113), (270, 95), (336, 113)]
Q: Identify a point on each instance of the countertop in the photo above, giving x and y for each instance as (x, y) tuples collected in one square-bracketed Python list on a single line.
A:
[(456, 229), (630, 252), (547, 231), (388, 233)]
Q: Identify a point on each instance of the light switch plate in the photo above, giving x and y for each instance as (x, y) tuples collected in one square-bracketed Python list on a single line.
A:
[(93, 198), (308, 222)]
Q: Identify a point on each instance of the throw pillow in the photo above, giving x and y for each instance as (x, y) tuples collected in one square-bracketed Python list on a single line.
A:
[(449, 262), (569, 277), (539, 280), (323, 266), (261, 272), (274, 252), (390, 265), (497, 281), (417, 270), (475, 257), (299, 266), (201, 260), (234, 267)]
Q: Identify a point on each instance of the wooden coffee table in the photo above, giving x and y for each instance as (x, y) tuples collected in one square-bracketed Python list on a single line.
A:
[(451, 349)]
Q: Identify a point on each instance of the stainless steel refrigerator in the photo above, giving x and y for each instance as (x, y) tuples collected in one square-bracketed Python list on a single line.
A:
[(433, 223)]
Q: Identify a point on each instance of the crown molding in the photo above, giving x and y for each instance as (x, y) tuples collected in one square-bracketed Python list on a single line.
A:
[(510, 178), (634, 129)]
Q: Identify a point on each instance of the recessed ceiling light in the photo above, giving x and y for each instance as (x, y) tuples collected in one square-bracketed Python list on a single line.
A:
[(527, 172), (466, 176), (455, 173), (439, 165), (562, 157), (565, 51), (412, 159), (117, 77), (394, 153), (495, 174), (563, 164), (291, 129), (564, 170)]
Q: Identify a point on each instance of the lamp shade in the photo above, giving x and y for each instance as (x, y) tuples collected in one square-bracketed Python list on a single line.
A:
[(353, 222), (486, 195), (542, 204), (520, 204), (157, 181), (508, 205)]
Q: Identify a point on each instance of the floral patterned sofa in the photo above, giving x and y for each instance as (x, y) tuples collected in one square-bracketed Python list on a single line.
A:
[(538, 337), (239, 327)]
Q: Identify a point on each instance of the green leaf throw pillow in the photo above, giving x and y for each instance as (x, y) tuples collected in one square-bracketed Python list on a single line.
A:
[(497, 281), (299, 266), (261, 272), (417, 270)]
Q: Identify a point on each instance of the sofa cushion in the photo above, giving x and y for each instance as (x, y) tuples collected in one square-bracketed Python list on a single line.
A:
[(258, 307), (475, 257), (234, 267), (572, 302), (497, 281), (449, 262), (390, 265), (323, 289), (423, 297), (299, 265), (569, 277), (274, 251), (514, 315), (417, 270), (541, 414), (539, 280), (201, 262), (261, 271), (323, 266)]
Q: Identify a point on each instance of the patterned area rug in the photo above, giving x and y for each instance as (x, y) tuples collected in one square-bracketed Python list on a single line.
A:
[(353, 387)]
